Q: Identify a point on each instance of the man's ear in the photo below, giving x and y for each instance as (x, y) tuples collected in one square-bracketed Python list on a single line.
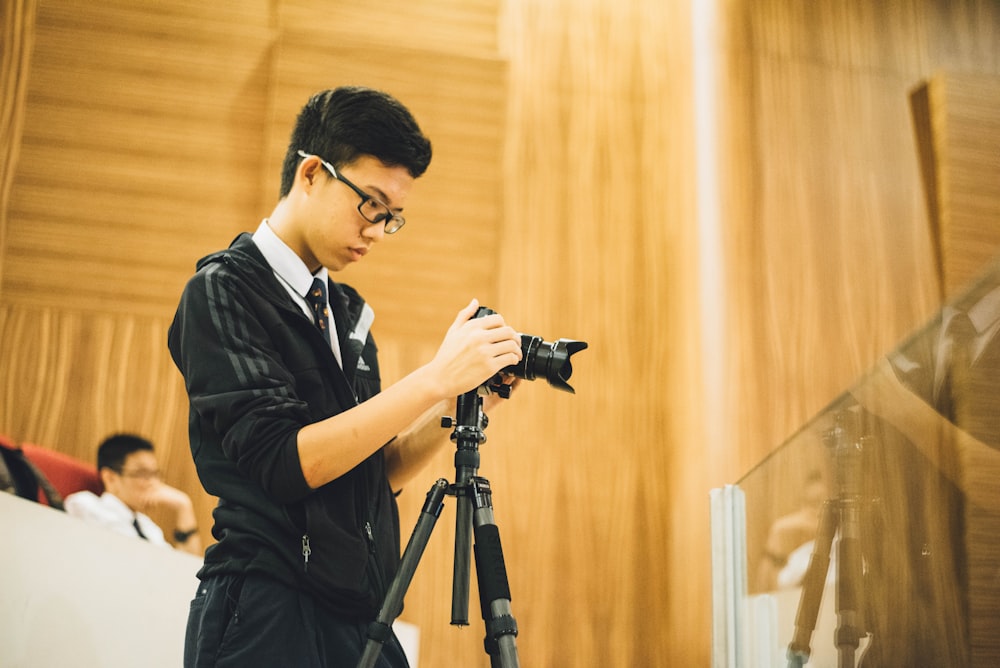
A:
[(308, 171), (107, 476)]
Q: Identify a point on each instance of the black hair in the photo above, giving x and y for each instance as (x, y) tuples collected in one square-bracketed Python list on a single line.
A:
[(113, 452), (342, 124)]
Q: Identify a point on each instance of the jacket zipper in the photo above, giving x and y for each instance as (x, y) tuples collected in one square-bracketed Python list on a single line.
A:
[(371, 537), (306, 551), (376, 571)]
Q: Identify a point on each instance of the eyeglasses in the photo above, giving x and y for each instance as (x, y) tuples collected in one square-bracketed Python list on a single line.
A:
[(370, 208), (140, 474)]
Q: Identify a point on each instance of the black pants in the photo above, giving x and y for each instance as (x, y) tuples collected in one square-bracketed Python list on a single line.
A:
[(238, 621)]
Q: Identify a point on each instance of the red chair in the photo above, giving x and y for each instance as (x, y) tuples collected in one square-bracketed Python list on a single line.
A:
[(67, 474)]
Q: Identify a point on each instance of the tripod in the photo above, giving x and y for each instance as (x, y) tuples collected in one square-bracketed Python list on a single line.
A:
[(841, 513), (474, 514)]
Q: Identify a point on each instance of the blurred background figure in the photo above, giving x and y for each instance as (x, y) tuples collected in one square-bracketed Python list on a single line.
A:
[(791, 537), (132, 488)]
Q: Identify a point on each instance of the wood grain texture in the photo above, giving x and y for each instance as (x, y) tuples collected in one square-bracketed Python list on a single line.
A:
[(964, 128), (139, 150), (600, 201), (17, 22)]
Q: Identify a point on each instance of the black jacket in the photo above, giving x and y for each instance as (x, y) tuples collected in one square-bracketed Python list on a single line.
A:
[(256, 371)]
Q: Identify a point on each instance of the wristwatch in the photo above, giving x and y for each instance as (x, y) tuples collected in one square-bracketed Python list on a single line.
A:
[(182, 536)]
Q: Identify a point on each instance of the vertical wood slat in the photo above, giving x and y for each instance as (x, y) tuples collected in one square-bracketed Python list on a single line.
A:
[(600, 212), (963, 131), (17, 21)]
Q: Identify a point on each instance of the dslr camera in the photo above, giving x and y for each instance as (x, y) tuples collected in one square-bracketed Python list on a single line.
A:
[(543, 359)]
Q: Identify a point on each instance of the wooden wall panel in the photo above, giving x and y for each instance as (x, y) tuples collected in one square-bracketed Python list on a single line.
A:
[(17, 23), (832, 259), (834, 266), (963, 137), (143, 131), (465, 27), (562, 193), (599, 245)]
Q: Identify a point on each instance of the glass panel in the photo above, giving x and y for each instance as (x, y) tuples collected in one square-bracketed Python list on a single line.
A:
[(897, 483)]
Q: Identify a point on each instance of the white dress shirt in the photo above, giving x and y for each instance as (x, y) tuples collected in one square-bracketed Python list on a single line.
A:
[(293, 274), (111, 512)]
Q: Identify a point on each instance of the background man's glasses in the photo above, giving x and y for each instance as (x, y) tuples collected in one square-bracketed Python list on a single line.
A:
[(138, 474)]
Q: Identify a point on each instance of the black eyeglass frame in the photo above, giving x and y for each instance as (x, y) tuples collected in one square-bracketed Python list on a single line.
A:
[(141, 474), (393, 221)]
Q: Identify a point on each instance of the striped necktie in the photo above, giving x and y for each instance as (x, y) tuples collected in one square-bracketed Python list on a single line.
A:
[(316, 297)]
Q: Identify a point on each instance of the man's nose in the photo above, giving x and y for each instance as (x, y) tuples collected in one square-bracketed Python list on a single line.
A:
[(374, 231)]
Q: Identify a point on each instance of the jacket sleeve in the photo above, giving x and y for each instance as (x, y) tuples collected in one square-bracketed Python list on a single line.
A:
[(241, 392)]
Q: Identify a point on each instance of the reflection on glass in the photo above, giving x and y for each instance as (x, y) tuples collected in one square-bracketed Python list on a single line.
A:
[(876, 528)]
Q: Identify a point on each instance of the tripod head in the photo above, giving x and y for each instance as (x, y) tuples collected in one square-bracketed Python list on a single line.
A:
[(841, 516), (469, 423), (470, 420)]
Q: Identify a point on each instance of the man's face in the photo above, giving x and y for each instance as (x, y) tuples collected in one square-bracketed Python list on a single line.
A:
[(138, 478), (333, 233)]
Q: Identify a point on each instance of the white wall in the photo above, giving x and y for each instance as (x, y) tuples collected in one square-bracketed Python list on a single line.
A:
[(74, 594)]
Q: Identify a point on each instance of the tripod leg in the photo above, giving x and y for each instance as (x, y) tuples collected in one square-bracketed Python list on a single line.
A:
[(494, 589), (812, 587), (850, 620), (461, 568), (380, 630), (850, 624)]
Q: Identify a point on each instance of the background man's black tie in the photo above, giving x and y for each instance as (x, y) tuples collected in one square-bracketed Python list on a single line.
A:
[(135, 523), (955, 387)]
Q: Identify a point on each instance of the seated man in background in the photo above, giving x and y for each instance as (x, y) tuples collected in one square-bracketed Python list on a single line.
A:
[(132, 487)]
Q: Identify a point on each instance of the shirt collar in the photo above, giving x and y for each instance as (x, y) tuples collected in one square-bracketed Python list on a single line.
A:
[(117, 507), (288, 266), (985, 313)]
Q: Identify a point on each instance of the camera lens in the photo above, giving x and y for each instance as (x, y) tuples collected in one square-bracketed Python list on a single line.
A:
[(543, 359), (550, 361)]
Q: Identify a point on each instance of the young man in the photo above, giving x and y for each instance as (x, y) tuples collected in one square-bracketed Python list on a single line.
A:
[(289, 426), (132, 485)]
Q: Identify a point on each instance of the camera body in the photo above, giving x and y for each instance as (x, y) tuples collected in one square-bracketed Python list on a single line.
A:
[(540, 358)]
